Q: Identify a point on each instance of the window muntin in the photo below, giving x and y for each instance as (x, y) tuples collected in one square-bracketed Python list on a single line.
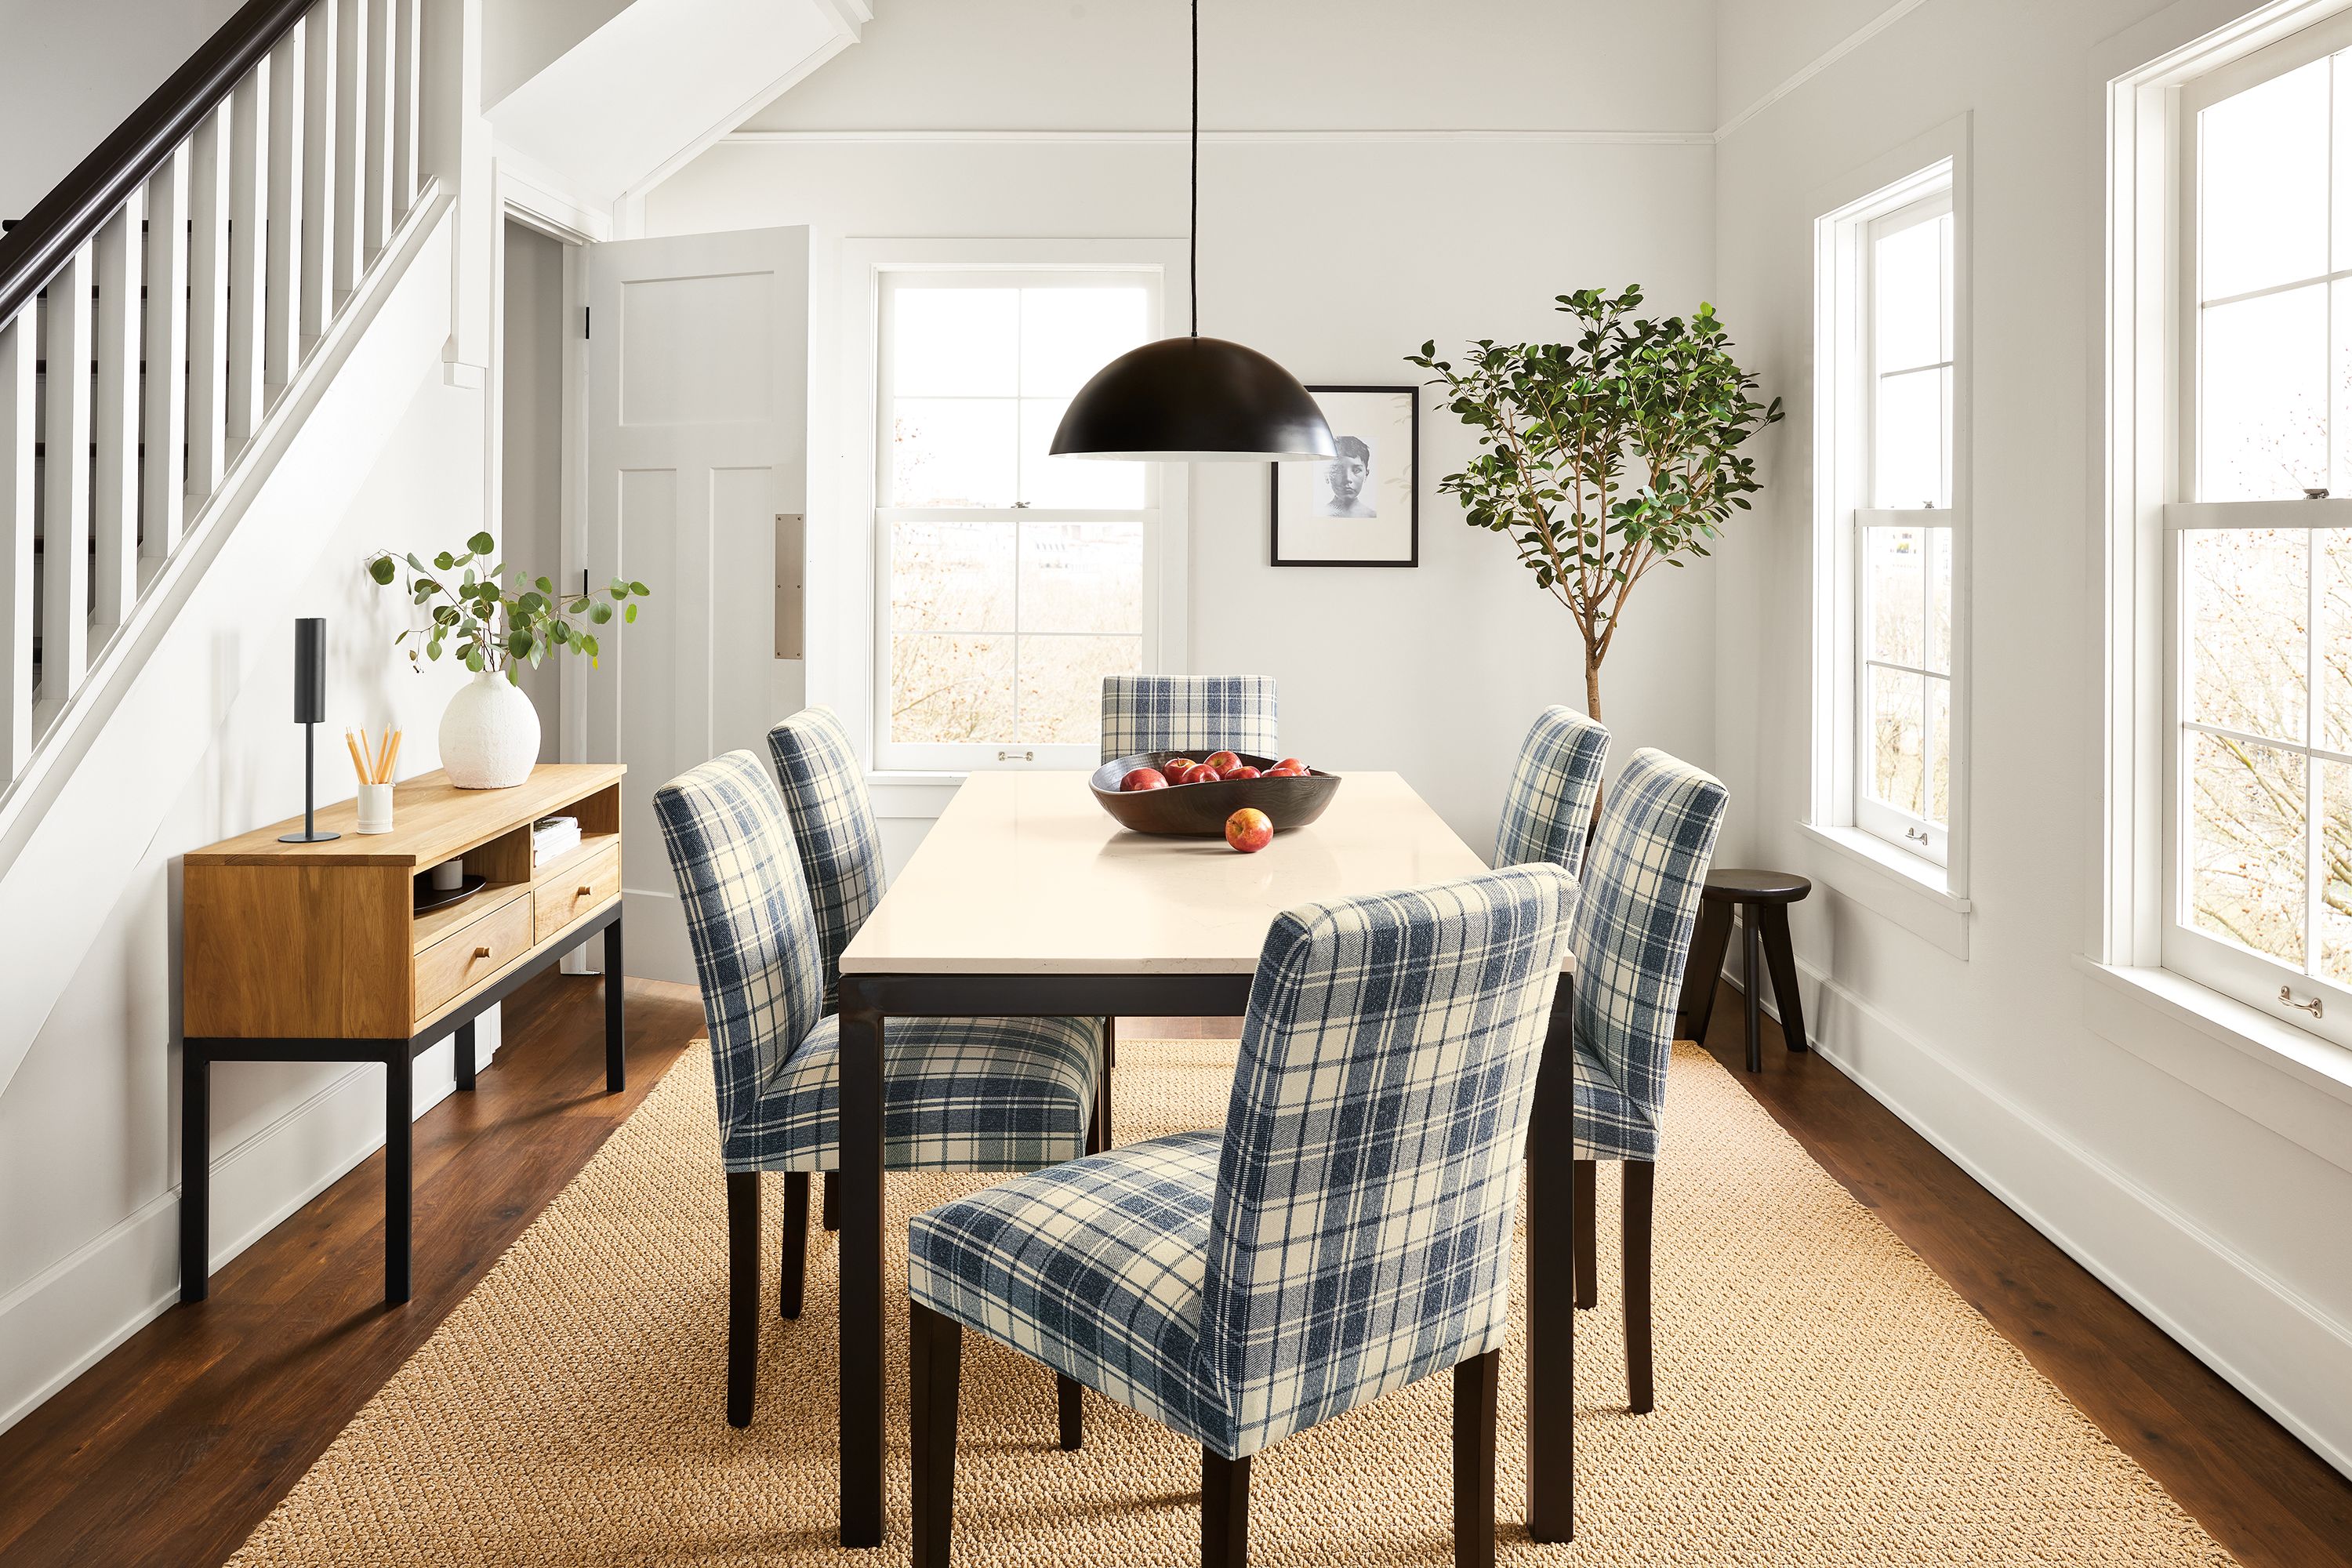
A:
[(2258, 838), (1010, 581), (1903, 547)]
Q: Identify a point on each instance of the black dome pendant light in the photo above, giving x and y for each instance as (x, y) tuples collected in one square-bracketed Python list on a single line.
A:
[(1194, 399)]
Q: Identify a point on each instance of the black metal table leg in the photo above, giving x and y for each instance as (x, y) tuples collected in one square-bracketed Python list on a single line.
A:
[(465, 1054), (399, 1171), (615, 1067), (1551, 1283), (860, 1181), (195, 1172)]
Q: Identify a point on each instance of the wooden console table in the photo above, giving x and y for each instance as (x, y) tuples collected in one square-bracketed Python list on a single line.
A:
[(313, 953)]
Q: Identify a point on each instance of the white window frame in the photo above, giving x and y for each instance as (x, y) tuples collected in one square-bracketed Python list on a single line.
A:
[(849, 659), (1927, 891), (2147, 473)]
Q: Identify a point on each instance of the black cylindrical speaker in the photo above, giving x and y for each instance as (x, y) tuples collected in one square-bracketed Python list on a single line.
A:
[(311, 671)]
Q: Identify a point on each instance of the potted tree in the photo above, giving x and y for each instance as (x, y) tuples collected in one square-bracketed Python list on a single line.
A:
[(1606, 456), (490, 732)]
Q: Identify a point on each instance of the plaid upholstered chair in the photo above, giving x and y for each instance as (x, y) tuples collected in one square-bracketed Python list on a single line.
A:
[(1635, 913), (1547, 810), (841, 859), (1188, 713), (958, 1094), (1349, 1231)]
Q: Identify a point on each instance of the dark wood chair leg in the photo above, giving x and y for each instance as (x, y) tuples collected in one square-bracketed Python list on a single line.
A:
[(832, 1200), (742, 1293), (1224, 1511), (793, 1267), (1072, 1413), (1703, 971), (934, 1378), (1751, 980), (1588, 1233), (1098, 1136), (1780, 957), (1641, 1188), (1478, 1387)]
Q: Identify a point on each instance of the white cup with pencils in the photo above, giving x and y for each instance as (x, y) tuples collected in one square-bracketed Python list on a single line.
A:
[(373, 761)]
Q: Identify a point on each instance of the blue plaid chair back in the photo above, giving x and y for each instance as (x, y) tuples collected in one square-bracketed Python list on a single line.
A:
[(1362, 1231), (756, 950), (1547, 810), (1634, 919), (1198, 713), (833, 824)]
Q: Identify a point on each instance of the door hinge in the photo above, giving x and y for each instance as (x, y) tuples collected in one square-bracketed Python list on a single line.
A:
[(586, 323)]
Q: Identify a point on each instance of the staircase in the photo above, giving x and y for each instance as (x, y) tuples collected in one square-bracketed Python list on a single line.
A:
[(157, 311)]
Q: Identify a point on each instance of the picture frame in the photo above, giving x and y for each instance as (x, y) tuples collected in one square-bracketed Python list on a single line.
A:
[(1363, 510)]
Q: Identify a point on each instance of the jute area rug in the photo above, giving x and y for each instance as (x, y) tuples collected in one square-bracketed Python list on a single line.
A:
[(1823, 1398)]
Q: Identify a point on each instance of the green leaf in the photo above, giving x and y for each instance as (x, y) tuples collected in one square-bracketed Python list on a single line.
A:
[(639, 588), (629, 614), (544, 586), (382, 569), (600, 612), (443, 562), (481, 544)]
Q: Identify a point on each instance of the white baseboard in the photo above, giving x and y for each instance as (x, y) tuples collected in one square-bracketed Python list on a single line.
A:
[(63, 1320), (2253, 1331)]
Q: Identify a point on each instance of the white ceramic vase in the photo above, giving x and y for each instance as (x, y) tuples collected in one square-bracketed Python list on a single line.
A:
[(489, 734)]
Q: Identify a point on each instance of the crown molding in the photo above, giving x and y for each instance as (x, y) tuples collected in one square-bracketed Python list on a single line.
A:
[(1319, 137)]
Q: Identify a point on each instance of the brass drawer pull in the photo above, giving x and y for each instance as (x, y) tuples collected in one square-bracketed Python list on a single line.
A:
[(481, 953), (585, 891)]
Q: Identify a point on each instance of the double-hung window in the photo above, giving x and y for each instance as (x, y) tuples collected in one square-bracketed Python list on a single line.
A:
[(1010, 582), (2257, 874), (1889, 738)]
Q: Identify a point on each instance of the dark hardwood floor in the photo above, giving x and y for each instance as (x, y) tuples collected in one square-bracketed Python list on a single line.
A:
[(173, 1448)]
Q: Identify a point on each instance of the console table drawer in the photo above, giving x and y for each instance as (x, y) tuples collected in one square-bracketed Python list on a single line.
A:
[(473, 952), (573, 893)]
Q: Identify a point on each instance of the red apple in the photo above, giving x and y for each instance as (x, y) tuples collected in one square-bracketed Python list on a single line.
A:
[(1242, 772), (1204, 774), (1144, 778), (1178, 772), (1249, 830), (1225, 763), (1289, 762), (1285, 772)]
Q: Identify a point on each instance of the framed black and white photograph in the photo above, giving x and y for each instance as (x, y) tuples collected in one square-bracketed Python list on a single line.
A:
[(1364, 507)]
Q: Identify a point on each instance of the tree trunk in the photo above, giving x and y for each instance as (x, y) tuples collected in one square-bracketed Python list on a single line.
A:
[(1592, 711)]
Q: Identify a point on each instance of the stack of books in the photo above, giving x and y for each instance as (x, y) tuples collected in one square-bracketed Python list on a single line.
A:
[(551, 836)]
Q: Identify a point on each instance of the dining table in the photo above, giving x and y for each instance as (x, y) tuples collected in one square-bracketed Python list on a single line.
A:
[(1025, 899)]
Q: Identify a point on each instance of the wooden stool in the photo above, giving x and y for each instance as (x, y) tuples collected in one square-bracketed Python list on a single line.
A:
[(1763, 899)]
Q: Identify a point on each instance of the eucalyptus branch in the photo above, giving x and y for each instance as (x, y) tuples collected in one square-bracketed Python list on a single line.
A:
[(488, 628)]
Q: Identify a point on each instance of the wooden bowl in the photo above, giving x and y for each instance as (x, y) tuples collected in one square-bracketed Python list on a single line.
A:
[(1199, 811)]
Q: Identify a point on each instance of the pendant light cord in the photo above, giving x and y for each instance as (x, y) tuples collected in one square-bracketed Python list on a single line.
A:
[(1192, 259)]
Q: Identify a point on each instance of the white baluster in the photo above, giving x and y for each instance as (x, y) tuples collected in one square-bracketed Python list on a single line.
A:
[(379, 125), (319, 165), (164, 433), (408, 44), (114, 418), (65, 512), (208, 303), (16, 608), (281, 340), (248, 186), (351, 143)]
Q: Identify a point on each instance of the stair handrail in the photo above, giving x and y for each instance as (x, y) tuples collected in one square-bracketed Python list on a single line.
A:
[(78, 205)]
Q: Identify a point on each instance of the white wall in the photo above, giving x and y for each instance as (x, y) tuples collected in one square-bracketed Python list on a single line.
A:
[(1337, 256), (2035, 1076), (89, 1144), (69, 75)]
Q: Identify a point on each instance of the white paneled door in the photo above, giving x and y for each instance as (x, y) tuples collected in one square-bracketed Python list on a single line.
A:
[(697, 406)]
